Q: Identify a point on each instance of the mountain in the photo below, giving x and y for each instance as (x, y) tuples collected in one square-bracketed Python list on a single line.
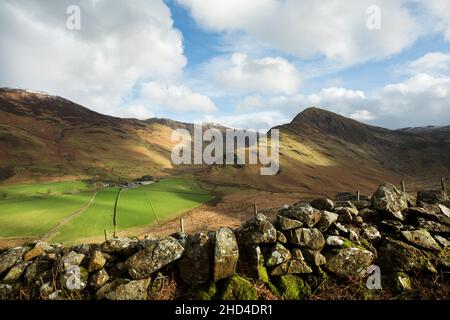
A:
[(46, 137)]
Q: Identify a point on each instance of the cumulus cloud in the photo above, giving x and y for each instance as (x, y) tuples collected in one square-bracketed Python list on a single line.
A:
[(433, 62), (268, 75), (120, 43), (263, 120), (440, 9), (176, 98), (334, 29)]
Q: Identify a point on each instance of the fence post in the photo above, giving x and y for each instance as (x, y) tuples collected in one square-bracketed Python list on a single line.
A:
[(403, 186), (181, 225), (255, 209), (443, 184), (358, 195), (106, 235)]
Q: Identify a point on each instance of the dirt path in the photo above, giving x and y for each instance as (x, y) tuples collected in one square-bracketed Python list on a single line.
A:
[(53, 230)]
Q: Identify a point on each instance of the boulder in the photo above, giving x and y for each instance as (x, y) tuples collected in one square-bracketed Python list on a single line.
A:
[(251, 263), (308, 238), (69, 260), (327, 219), (74, 278), (397, 256), (98, 279), (157, 255), (421, 238), (323, 204), (195, 264), (121, 246), (304, 213), (124, 290), (288, 224), (278, 254), (96, 262), (431, 196), (314, 257), (349, 262), (256, 231), (292, 287), (238, 288), (11, 257), (391, 200), (16, 272), (226, 254), (291, 267)]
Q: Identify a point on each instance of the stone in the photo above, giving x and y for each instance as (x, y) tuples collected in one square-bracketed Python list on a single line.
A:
[(362, 204), (444, 258), (71, 259), (291, 267), (335, 241), (121, 246), (323, 204), (238, 288), (391, 226), (96, 262), (98, 279), (433, 226), (16, 272), (444, 210), (308, 238), (278, 254), (369, 215), (442, 241), (397, 281), (344, 215), (6, 291), (281, 237), (46, 289), (143, 263), (397, 256), (304, 213), (349, 262), (256, 231), (195, 264), (38, 269), (57, 295), (421, 238), (288, 224), (226, 254), (370, 232), (297, 254), (314, 257), (292, 287), (431, 196), (39, 249), (327, 219), (11, 257), (124, 290), (251, 263), (390, 199), (74, 278), (358, 220)]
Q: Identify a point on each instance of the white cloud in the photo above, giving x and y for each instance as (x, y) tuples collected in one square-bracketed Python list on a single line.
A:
[(363, 115), (334, 29), (440, 9), (120, 43), (267, 75), (263, 120), (433, 62), (138, 111), (176, 98)]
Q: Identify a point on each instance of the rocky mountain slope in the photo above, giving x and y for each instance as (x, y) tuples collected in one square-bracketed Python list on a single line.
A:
[(47, 137), (394, 246)]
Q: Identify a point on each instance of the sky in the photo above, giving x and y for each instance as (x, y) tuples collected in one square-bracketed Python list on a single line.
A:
[(242, 63)]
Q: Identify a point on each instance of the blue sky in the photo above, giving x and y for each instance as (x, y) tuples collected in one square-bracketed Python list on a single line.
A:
[(242, 63)]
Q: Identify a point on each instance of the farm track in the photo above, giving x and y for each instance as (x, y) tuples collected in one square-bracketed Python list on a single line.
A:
[(47, 236)]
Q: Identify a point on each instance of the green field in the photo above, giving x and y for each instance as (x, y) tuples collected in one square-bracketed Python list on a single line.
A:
[(32, 210)]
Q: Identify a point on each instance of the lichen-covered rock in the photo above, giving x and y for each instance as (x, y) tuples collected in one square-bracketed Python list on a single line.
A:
[(251, 263), (349, 262), (397, 256), (70, 259), (345, 214), (226, 254), (444, 258), (323, 204), (308, 238), (391, 226), (314, 257), (256, 231), (205, 292), (421, 238), (238, 288), (16, 272), (96, 262), (74, 278), (121, 246), (157, 255), (292, 287), (433, 226), (327, 219), (281, 238), (291, 267), (11, 257), (397, 281), (442, 241), (287, 223), (39, 249), (370, 232), (278, 254), (39, 269), (335, 241), (195, 264), (297, 254), (304, 213), (431, 196), (369, 215), (124, 290), (98, 279), (390, 199)]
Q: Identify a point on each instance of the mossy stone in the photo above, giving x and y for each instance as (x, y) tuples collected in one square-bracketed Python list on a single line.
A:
[(205, 292), (238, 288), (293, 288)]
